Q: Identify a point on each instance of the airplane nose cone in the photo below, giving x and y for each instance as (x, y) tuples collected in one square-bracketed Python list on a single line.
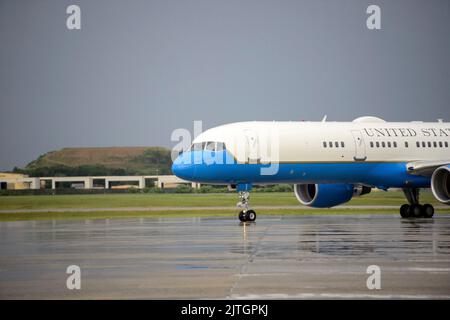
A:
[(182, 167)]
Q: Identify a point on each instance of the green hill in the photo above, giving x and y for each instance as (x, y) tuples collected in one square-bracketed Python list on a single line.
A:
[(101, 161)]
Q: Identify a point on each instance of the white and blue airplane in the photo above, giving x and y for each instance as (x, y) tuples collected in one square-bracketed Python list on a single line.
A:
[(327, 162)]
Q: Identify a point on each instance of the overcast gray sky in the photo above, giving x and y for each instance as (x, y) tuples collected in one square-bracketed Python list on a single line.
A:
[(139, 69)]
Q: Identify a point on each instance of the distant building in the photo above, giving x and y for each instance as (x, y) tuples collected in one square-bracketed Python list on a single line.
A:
[(13, 181)]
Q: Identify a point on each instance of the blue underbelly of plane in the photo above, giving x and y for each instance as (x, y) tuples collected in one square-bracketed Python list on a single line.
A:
[(221, 168)]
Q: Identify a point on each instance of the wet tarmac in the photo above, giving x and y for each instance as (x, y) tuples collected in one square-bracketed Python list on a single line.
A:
[(308, 256)]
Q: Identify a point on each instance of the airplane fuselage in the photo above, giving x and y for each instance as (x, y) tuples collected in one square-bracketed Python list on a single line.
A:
[(366, 151)]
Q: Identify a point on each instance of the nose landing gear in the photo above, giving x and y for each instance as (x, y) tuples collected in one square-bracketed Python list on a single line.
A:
[(246, 214), (249, 215), (414, 209)]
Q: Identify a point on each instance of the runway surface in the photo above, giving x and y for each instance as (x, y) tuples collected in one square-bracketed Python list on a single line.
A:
[(304, 256), (198, 208)]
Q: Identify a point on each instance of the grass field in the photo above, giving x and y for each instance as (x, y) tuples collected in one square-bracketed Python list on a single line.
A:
[(184, 200), (159, 201)]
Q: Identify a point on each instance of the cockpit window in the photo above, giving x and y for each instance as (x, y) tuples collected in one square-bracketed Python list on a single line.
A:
[(220, 146), (210, 146), (197, 147)]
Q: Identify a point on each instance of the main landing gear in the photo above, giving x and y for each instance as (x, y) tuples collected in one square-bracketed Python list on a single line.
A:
[(246, 214), (414, 209)]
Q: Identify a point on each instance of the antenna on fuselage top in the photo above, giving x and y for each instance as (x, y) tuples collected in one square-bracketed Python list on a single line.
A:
[(324, 119)]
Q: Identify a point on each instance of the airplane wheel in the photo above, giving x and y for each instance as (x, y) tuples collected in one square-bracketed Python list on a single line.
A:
[(427, 210), (405, 211), (242, 216), (250, 215), (416, 210)]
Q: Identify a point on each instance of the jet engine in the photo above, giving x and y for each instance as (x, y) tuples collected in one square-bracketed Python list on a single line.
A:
[(327, 195), (440, 184)]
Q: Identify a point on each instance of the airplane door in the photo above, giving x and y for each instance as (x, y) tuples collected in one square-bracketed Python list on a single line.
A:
[(251, 146), (360, 146)]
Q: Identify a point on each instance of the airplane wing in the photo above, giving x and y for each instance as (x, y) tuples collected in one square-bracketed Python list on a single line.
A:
[(425, 168)]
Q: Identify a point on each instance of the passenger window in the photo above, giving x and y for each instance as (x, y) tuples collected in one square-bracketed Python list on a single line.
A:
[(371, 144), (378, 144), (342, 144), (383, 144), (418, 144), (395, 144), (406, 144), (446, 144), (336, 144), (429, 144), (330, 144), (389, 144), (324, 144), (440, 144), (435, 144), (423, 144)]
